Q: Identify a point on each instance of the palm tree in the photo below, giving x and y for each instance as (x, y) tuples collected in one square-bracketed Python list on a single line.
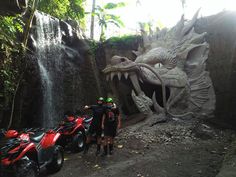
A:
[(92, 20), (105, 18)]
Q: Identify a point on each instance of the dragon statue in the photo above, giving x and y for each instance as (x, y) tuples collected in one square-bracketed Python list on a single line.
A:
[(174, 60)]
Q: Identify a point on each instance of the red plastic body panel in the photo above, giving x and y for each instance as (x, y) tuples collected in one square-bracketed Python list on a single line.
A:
[(11, 134), (49, 139), (71, 118), (29, 147), (78, 126)]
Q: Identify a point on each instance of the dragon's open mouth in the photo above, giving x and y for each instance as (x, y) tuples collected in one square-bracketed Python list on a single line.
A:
[(136, 86)]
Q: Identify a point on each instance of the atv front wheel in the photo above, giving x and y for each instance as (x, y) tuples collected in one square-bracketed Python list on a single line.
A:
[(26, 168), (57, 160), (78, 142)]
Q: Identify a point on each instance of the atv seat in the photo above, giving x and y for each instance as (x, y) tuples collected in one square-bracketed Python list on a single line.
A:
[(37, 136)]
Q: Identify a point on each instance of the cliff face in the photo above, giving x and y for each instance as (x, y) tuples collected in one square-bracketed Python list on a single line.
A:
[(221, 35), (68, 69)]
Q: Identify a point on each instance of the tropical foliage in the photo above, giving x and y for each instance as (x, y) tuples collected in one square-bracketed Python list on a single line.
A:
[(105, 18), (11, 28), (64, 9)]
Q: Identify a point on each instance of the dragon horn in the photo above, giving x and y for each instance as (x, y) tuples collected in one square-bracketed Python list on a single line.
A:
[(190, 25)]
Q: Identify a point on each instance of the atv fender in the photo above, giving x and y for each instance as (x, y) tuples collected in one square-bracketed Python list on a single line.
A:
[(50, 139), (29, 148)]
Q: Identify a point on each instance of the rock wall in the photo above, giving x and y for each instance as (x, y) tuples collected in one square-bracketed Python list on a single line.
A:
[(78, 84), (221, 35)]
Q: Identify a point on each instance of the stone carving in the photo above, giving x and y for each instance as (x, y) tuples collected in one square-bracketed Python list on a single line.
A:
[(174, 60)]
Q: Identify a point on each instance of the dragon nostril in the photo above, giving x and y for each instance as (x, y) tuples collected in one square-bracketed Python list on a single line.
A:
[(122, 59)]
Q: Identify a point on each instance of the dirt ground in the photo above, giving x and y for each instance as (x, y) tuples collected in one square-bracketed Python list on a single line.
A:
[(174, 149)]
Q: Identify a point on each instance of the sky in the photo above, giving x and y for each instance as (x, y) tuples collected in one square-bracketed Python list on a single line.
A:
[(164, 12)]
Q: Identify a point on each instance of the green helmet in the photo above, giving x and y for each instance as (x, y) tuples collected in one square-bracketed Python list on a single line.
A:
[(100, 99), (109, 100)]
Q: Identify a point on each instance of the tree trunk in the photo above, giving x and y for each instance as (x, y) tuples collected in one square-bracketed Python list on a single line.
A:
[(92, 20), (102, 35), (28, 24), (13, 101)]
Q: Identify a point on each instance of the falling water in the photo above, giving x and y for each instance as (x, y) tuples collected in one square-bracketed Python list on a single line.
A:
[(48, 52)]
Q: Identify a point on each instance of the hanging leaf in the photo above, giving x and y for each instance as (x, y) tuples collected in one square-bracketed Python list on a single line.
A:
[(114, 5)]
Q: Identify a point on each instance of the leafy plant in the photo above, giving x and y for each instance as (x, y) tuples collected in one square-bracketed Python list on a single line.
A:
[(64, 9), (105, 18), (93, 46), (11, 30)]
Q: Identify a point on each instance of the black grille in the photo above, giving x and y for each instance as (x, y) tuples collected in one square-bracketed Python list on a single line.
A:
[(6, 145)]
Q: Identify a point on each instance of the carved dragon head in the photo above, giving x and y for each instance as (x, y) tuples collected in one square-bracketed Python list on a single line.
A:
[(173, 60)]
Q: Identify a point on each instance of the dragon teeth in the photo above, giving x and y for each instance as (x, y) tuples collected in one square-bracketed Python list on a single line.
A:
[(119, 75), (126, 75), (107, 77), (112, 75)]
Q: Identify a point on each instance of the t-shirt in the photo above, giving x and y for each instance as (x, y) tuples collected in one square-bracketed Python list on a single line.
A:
[(98, 111), (111, 115)]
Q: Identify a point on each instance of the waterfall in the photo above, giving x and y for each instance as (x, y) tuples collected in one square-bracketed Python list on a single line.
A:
[(48, 52)]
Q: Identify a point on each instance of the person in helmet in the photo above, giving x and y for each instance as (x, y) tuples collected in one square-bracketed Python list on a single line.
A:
[(95, 126), (111, 121)]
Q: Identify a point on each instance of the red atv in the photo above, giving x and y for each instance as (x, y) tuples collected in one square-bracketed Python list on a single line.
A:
[(72, 132), (24, 154)]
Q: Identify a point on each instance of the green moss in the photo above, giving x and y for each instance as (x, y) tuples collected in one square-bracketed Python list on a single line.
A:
[(126, 41)]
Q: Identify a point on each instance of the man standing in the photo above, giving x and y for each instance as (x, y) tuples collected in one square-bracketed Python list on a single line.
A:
[(95, 127), (111, 121)]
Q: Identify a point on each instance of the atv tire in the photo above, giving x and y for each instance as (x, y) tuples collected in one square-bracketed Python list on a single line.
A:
[(78, 142), (57, 160), (26, 168)]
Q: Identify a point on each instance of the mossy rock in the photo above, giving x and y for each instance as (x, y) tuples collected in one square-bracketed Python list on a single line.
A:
[(123, 42)]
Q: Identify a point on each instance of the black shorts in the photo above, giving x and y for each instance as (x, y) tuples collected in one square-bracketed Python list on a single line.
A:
[(110, 129), (95, 130)]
